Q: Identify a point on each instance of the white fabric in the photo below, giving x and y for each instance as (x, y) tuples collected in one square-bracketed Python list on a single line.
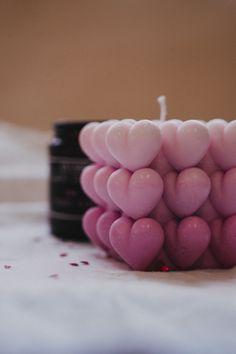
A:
[(23, 164), (103, 307)]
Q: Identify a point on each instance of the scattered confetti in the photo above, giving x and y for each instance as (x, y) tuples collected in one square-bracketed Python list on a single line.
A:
[(55, 276), (7, 266), (165, 268), (84, 262), (64, 254), (74, 264)]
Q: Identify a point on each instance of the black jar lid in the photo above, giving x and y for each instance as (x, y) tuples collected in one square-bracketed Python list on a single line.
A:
[(66, 138), (68, 202), (69, 130)]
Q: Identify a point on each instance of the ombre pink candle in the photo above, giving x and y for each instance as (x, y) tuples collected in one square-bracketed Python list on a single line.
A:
[(165, 192)]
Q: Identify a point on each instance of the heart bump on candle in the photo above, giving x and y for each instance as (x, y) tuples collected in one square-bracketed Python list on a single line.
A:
[(137, 243), (103, 226), (89, 223), (137, 193), (187, 241), (223, 241), (87, 183), (134, 144), (100, 185), (86, 142), (223, 191), (223, 142), (186, 191), (184, 144), (99, 142)]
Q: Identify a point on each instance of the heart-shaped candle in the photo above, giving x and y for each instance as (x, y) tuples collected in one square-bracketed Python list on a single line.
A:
[(134, 144), (186, 191), (100, 185), (86, 142), (184, 144), (186, 241), (90, 219), (223, 241), (155, 175), (223, 142), (223, 192), (99, 142), (103, 226), (87, 183), (137, 243), (137, 193)]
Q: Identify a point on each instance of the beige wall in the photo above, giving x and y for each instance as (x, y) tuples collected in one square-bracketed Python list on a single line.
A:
[(95, 59)]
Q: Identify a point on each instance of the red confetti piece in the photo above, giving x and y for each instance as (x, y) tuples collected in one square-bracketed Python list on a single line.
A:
[(74, 264), (64, 254), (7, 266), (55, 276), (85, 262), (165, 268)]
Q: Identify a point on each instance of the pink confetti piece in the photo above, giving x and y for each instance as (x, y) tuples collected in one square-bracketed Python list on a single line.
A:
[(64, 254), (165, 268), (84, 262), (55, 276), (74, 264), (6, 266)]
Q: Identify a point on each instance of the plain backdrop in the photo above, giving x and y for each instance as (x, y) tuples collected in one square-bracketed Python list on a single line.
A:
[(99, 59)]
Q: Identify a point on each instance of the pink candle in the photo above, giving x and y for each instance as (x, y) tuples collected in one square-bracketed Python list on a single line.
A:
[(162, 188)]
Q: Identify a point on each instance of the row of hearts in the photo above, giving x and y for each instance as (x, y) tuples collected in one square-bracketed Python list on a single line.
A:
[(135, 145), (181, 194), (190, 244)]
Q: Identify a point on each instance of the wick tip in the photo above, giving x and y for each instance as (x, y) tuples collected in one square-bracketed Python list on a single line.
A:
[(161, 99)]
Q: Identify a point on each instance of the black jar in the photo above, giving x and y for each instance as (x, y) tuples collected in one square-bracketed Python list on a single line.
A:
[(68, 202)]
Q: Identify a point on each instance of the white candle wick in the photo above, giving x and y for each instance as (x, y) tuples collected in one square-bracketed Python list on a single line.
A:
[(163, 110)]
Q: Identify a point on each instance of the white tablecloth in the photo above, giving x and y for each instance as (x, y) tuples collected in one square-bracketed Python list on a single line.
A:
[(49, 306)]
